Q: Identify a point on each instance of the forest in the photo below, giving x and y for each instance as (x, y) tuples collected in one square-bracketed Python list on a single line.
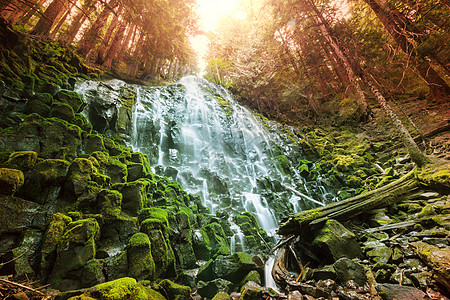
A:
[(302, 151)]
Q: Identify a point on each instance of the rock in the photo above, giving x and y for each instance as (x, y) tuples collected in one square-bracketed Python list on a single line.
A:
[(123, 288), (295, 295), (380, 254), (174, 291), (389, 291), (62, 111), (213, 239), (222, 296), (71, 98), (24, 255), (134, 195), (429, 195), (79, 175), (140, 261), (326, 272), (251, 276), (236, 266), (93, 143), (186, 255), (211, 288), (22, 160), (251, 291), (437, 259), (206, 272), (162, 253), (347, 269), (109, 202), (10, 181), (117, 266), (335, 241), (92, 273)]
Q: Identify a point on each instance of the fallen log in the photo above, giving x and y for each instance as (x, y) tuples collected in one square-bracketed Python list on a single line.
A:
[(394, 192)]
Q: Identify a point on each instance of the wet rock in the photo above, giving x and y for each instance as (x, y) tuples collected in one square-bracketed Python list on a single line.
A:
[(70, 98), (206, 272), (222, 296), (10, 181), (251, 276), (347, 269), (213, 242), (236, 266), (174, 291), (22, 160), (295, 295), (211, 288), (116, 266), (25, 258), (251, 291), (134, 195), (326, 272), (140, 261), (62, 111), (93, 143), (380, 253), (335, 241), (389, 291)]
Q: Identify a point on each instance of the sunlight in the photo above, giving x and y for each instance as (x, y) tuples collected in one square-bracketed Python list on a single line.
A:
[(210, 12)]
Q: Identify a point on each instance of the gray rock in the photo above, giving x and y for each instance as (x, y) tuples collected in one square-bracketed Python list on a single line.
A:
[(235, 267), (399, 292), (347, 269), (211, 288)]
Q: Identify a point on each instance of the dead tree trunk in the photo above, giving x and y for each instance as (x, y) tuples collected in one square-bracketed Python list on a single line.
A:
[(50, 17)]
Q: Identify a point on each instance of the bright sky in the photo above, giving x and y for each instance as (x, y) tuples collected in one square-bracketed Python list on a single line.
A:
[(210, 12)]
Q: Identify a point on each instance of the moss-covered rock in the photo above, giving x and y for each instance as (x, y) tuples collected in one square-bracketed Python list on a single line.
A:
[(62, 111), (163, 254), (109, 202), (21, 160), (214, 242), (123, 288), (210, 288), (335, 241), (235, 267), (93, 143), (79, 175), (174, 291), (140, 261), (10, 181), (251, 291), (135, 195), (71, 98)]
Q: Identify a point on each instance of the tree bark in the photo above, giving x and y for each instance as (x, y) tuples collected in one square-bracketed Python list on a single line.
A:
[(55, 31), (77, 22), (106, 41), (439, 90), (50, 17), (115, 45), (92, 36), (354, 79)]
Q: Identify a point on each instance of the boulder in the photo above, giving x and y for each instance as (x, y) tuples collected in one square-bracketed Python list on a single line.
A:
[(23, 255), (135, 195), (389, 291), (71, 98), (79, 175), (222, 296), (62, 111), (123, 288), (347, 269), (206, 272), (235, 267), (10, 181), (334, 241), (140, 261), (214, 241), (251, 291), (174, 291), (211, 288), (21, 160)]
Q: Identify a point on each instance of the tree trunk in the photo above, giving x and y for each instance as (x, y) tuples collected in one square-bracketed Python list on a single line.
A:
[(327, 34), (439, 90), (77, 22), (50, 17), (57, 28), (30, 13), (105, 43), (414, 152), (92, 36), (115, 45)]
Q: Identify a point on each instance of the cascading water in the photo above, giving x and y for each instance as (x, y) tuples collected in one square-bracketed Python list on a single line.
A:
[(196, 134)]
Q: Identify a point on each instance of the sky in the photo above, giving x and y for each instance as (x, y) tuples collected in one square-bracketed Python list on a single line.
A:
[(210, 12)]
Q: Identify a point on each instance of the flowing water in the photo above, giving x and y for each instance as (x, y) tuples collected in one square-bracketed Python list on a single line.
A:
[(195, 133)]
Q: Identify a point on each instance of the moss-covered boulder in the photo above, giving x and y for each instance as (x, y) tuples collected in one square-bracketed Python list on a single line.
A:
[(140, 260), (21, 160), (71, 98), (62, 111), (135, 195), (173, 291), (334, 241), (93, 143), (213, 242), (109, 202), (162, 253), (210, 288), (251, 291), (235, 267), (44, 182), (75, 249), (123, 288), (79, 175), (10, 181)]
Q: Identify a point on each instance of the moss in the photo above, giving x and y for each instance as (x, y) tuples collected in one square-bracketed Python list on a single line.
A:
[(71, 98), (10, 180), (226, 106), (283, 164), (155, 213), (435, 176), (140, 261), (81, 232), (110, 202), (62, 111), (175, 291), (22, 160)]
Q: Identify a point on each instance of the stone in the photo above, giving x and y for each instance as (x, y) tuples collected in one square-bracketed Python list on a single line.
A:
[(79, 175), (295, 295), (211, 288), (71, 98), (251, 276), (162, 254), (116, 266), (134, 195), (93, 143), (251, 291), (24, 258), (334, 241), (429, 195), (206, 272), (109, 202), (437, 259), (347, 269), (21, 160), (186, 255), (221, 296), (10, 181), (123, 288), (235, 267), (380, 254), (214, 241), (174, 291), (389, 291), (62, 111), (140, 261)]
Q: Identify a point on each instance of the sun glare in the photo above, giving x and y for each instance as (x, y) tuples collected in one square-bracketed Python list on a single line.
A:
[(210, 12)]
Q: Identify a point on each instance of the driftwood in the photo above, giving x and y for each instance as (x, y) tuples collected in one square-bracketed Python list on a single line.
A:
[(394, 192)]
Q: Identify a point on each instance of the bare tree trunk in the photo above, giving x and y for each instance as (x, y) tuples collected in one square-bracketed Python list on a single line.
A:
[(30, 13), (105, 42), (55, 31), (92, 36), (354, 79), (50, 17), (77, 22), (439, 90), (115, 45)]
